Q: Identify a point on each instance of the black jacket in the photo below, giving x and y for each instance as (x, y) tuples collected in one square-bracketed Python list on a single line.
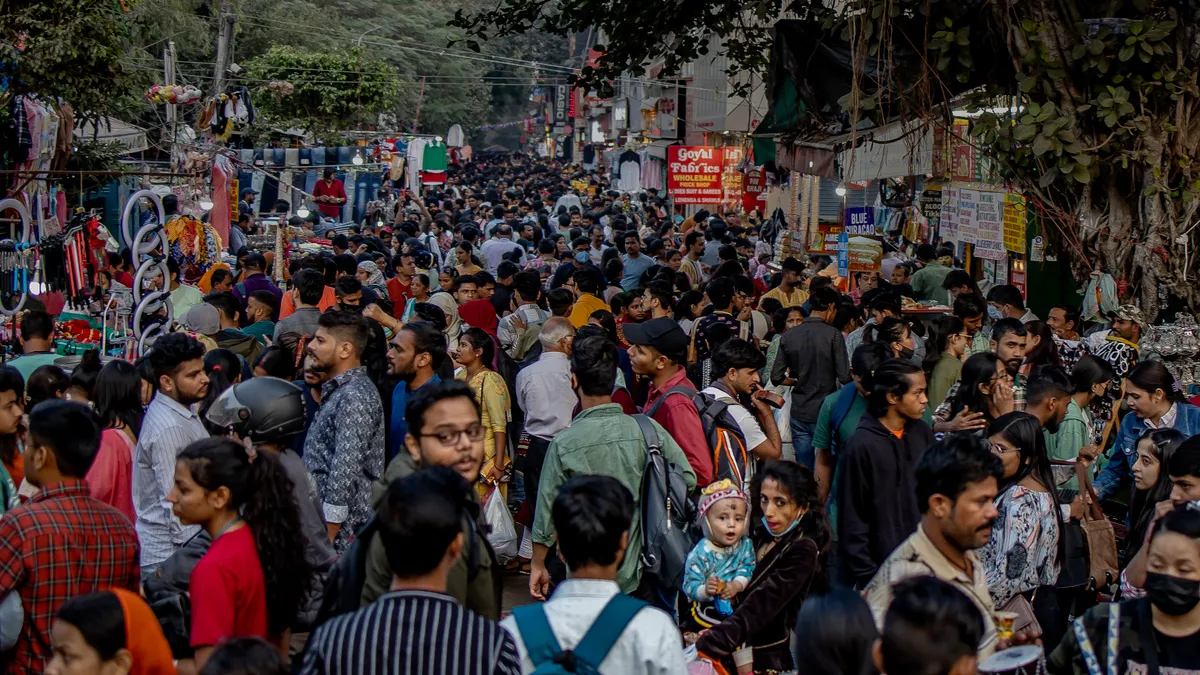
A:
[(877, 494), (814, 355)]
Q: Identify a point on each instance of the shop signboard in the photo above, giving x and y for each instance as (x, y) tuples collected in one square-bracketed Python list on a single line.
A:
[(732, 179), (694, 174), (843, 254), (968, 202), (948, 216), (860, 221)]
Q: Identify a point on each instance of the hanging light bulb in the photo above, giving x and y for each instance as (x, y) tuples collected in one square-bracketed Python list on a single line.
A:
[(302, 211), (358, 158), (840, 190), (206, 203)]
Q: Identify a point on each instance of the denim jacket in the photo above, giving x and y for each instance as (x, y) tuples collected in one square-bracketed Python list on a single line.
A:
[(1116, 473)]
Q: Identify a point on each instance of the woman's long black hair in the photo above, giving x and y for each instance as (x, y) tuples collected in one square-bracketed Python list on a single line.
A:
[(834, 634), (1046, 351), (118, 396), (264, 495), (1141, 507), (479, 339), (1025, 432), (978, 370), (800, 484), (223, 368), (940, 332)]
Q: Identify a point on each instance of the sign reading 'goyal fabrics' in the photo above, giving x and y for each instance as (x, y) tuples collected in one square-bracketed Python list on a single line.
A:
[(694, 174)]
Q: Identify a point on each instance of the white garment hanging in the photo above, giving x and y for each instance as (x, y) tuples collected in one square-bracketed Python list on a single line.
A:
[(454, 137)]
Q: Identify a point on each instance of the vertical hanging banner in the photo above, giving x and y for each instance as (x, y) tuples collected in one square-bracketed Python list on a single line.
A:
[(754, 198), (948, 217), (1015, 216), (968, 202), (843, 254), (989, 227), (732, 180), (962, 153), (694, 174)]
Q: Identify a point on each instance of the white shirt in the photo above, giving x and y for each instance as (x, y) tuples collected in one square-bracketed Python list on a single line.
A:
[(649, 645), (544, 392), (167, 429), (493, 251), (746, 421), (596, 254)]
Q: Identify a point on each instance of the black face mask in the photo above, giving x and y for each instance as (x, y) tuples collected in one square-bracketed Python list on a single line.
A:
[(906, 354), (1172, 595)]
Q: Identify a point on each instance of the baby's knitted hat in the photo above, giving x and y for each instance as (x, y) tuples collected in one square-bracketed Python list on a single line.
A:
[(715, 492)]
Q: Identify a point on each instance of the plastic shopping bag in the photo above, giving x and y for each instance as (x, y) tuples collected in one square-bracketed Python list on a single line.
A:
[(503, 534)]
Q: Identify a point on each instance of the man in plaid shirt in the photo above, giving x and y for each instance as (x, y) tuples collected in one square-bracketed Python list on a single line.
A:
[(63, 543)]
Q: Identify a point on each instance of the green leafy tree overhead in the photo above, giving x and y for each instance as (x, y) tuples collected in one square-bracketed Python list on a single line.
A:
[(1107, 134), (331, 90)]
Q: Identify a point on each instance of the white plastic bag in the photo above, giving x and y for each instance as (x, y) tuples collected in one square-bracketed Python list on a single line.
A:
[(503, 534)]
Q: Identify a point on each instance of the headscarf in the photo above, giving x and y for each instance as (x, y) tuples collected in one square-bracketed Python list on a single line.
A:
[(480, 314), (375, 280), (144, 637), (205, 283)]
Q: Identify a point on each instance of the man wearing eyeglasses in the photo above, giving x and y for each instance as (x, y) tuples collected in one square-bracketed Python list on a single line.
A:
[(443, 429)]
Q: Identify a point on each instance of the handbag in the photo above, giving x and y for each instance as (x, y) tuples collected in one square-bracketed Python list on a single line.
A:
[(1099, 536), (1026, 620)]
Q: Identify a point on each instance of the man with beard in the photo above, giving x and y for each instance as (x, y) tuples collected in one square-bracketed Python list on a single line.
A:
[(415, 354), (443, 429), (1009, 342), (169, 426), (956, 485), (344, 449)]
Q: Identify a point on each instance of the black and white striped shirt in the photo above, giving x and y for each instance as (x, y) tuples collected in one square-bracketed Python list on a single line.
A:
[(411, 633)]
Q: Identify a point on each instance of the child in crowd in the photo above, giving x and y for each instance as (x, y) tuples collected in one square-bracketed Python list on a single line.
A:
[(721, 564)]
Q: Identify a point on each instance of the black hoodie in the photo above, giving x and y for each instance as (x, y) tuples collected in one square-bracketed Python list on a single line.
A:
[(877, 494)]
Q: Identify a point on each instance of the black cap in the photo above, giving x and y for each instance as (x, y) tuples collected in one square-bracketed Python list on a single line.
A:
[(664, 334)]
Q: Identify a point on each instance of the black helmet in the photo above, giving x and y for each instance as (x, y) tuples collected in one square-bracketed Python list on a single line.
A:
[(261, 408)]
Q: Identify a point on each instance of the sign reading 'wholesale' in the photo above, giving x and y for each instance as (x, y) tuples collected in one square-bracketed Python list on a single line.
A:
[(694, 174)]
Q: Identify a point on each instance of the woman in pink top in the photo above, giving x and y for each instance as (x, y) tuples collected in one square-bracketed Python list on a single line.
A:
[(118, 397)]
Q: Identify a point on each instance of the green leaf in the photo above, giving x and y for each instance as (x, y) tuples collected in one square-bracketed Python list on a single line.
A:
[(1041, 145), (1081, 174), (1125, 54), (948, 22), (1024, 132), (1048, 178)]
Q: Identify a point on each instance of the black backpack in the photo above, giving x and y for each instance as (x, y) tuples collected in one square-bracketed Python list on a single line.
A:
[(730, 457), (666, 515), (344, 585)]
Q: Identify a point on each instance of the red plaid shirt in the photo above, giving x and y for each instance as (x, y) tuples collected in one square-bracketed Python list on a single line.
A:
[(62, 544)]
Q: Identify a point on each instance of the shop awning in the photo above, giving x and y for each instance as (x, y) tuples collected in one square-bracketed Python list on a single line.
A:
[(131, 136)]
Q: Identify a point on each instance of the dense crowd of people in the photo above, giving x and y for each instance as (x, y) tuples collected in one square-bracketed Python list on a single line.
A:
[(704, 458)]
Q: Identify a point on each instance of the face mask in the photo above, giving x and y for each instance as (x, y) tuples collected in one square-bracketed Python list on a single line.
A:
[(780, 534), (906, 354), (1172, 595), (994, 313), (753, 240)]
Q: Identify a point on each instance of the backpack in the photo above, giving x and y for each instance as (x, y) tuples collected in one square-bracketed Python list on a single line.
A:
[(841, 408), (730, 457), (666, 515), (526, 338), (549, 658)]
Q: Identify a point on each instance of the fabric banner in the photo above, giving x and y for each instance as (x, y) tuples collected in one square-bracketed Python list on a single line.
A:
[(732, 180), (968, 202), (989, 226), (694, 174), (754, 197)]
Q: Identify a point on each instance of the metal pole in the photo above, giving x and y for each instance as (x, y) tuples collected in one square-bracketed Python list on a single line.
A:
[(225, 23), (417, 117)]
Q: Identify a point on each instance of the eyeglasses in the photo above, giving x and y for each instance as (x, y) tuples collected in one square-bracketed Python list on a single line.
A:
[(449, 437), (998, 449)]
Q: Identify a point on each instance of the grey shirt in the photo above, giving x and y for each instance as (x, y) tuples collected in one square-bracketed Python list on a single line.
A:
[(814, 355), (302, 322)]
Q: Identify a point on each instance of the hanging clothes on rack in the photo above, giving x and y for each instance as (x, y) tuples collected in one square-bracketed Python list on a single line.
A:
[(454, 137), (219, 217), (433, 163), (630, 167)]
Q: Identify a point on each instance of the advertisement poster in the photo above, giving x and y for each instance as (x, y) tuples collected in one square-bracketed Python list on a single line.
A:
[(989, 226), (962, 153), (948, 216), (843, 255), (694, 174), (968, 202), (732, 179), (754, 198), (1014, 223), (865, 253)]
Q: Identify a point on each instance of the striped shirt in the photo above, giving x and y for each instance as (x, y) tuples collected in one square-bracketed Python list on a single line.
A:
[(411, 633), (167, 429)]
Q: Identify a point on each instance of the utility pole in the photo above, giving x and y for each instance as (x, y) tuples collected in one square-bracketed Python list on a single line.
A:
[(169, 80), (420, 99), (226, 18)]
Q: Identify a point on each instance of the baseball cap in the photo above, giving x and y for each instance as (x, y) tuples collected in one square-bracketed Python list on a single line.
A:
[(202, 318), (1129, 313), (249, 191), (582, 257), (663, 334)]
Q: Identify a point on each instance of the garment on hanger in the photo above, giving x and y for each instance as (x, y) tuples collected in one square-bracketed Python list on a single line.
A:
[(222, 171), (433, 164), (454, 137)]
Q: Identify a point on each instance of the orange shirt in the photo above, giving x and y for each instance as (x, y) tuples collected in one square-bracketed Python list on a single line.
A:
[(287, 307)]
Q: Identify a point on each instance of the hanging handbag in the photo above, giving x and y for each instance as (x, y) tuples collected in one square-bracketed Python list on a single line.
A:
[(1103, 569), (1026, 621)]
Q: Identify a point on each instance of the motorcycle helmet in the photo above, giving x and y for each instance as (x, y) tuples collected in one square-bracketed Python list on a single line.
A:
[(261, 409)]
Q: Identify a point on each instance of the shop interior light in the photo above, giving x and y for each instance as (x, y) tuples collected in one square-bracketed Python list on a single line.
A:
[(302, 211)]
